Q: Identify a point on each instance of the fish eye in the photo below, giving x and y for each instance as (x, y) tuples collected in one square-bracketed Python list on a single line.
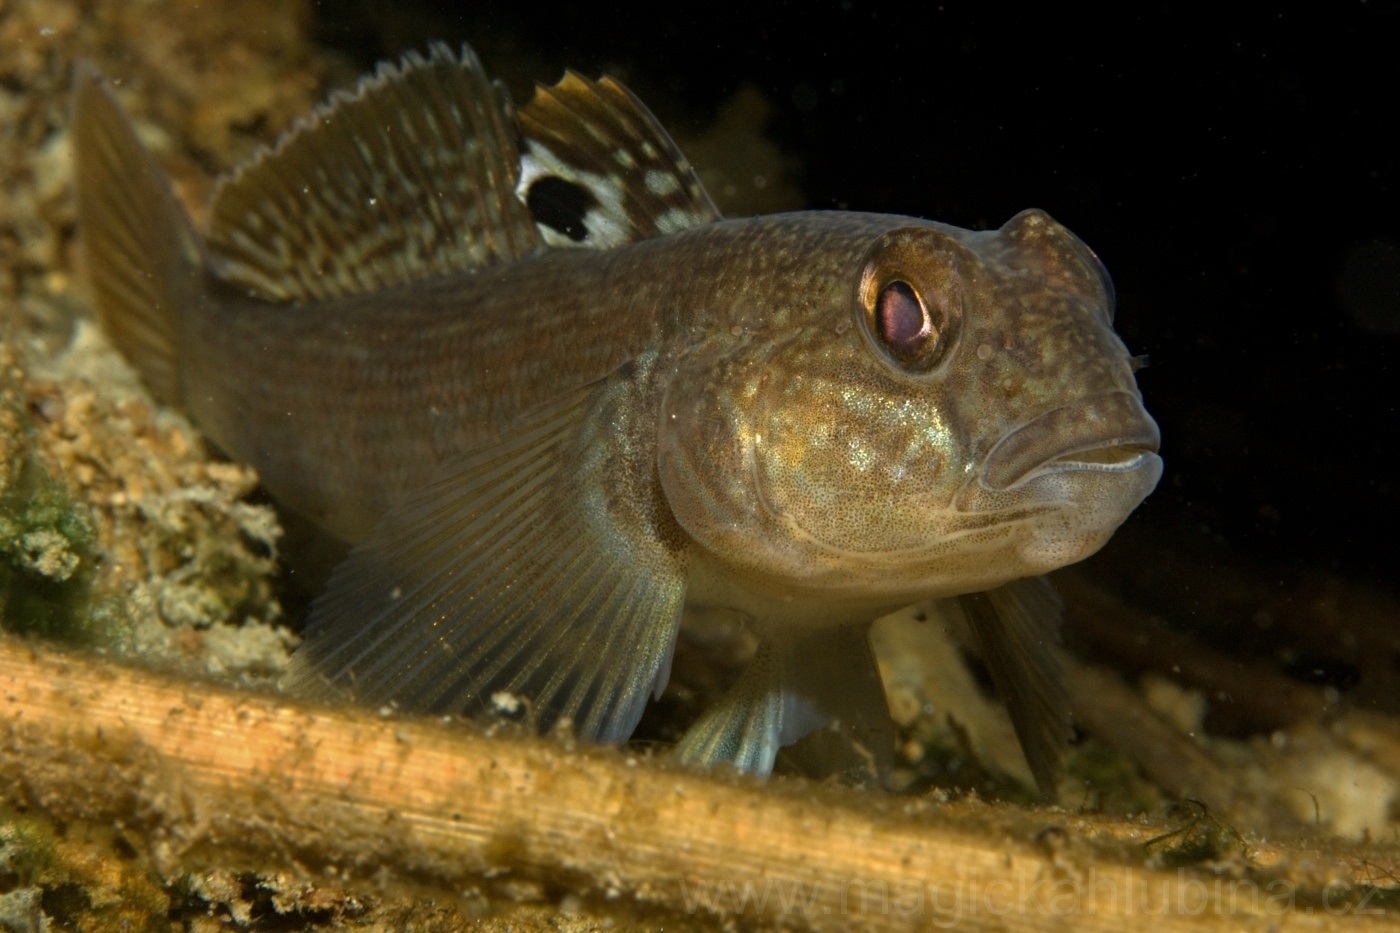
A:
[(909, 328), (909, 299), (901, 320)]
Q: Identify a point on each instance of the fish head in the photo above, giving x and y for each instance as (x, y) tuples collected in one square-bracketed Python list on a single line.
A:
[(953, 411)]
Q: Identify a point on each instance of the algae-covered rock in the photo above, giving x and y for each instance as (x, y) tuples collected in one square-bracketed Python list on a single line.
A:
[(47, 536), (59, 883), (117, 527)]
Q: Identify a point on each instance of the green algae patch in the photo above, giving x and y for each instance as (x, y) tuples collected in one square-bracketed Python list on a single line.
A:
[(81, 878), (47, 563), (48, 542), (117, 530), (27, 852)]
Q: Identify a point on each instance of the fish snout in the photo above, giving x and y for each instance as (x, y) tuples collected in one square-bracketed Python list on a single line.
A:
[(1109, 433)]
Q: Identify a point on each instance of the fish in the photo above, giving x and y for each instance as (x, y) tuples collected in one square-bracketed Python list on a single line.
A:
[(552, 402)]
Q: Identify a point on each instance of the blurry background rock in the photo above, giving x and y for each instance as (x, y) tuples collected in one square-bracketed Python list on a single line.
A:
[(206, 84), (160, 553)]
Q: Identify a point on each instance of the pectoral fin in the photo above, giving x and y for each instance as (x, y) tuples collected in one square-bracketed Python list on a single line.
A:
[(507, 574), (790, 690), (1016, 629)]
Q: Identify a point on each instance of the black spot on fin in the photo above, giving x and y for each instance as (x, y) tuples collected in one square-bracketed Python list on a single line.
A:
[(791, 690), (504, 575), (1016, 629), (411, 175), (597, 135), (144, 260), (561, 205)]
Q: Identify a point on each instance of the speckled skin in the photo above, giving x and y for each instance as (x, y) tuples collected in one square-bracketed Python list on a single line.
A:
[(814, 479)]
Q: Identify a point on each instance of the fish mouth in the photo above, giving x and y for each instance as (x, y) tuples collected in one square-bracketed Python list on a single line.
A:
[(1110, 433)]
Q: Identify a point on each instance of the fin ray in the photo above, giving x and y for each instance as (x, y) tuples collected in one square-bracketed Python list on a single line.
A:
[(742, 728), (499, 576), (790, 690), (1016, 630), (411, 175), (143, 256)]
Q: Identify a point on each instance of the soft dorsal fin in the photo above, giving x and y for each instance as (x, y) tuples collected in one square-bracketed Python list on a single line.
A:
[(411, 175), (599, 171)]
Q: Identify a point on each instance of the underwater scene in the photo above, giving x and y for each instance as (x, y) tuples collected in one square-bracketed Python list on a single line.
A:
[(813, 466)]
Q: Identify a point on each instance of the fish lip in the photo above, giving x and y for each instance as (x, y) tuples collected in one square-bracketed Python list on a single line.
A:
[(1106, 433)]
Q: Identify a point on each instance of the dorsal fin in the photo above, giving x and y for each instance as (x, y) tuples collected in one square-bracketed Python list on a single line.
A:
[(411, 175), (599, 171)]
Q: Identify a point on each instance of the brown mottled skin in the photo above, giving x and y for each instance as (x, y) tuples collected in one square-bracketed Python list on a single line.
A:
[(771, 491)]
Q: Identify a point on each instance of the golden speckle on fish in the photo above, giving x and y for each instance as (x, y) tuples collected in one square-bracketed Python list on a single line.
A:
[(516, 360)]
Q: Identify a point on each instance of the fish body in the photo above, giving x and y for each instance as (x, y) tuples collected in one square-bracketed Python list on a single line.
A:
[(518, 362)]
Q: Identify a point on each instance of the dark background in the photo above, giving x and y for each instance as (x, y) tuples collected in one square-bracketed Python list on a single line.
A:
[(1229, 168)]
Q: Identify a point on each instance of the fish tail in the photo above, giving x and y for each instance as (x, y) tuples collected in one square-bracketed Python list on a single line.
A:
[(144, 259)]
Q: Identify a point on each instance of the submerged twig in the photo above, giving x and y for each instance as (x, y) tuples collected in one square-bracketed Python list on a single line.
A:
[(1108, 708), (200, 770), (1245, 696)]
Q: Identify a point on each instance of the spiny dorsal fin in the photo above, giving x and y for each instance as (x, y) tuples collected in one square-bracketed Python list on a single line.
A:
[(599, 171), (411, 175)]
